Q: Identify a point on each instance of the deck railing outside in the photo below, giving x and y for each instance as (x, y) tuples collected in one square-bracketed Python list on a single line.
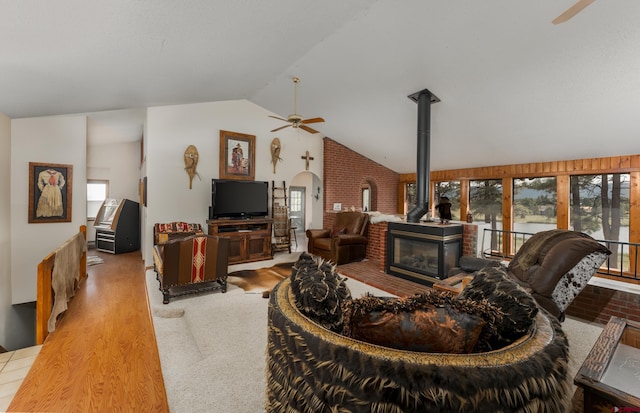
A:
[(622, 264)]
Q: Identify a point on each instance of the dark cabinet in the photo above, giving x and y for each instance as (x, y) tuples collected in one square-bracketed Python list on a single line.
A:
[(117, 226), (250, 239)]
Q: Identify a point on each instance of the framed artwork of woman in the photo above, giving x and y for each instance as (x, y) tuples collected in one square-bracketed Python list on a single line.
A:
[(50, 189)]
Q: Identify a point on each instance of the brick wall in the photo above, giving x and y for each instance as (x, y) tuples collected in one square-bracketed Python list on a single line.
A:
[(598, 304), (345, 173), (469, 239)]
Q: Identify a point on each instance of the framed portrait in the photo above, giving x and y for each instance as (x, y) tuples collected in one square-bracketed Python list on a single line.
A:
[(237, 155), (50, 190)]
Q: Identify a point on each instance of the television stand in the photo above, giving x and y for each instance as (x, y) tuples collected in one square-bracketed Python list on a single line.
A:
[(250, 238)]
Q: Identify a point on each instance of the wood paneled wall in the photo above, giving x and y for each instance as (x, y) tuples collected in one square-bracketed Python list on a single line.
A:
[(562, 170)]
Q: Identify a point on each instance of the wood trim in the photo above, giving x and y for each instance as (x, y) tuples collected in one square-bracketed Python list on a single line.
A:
[(563, 183), (562, 170), (44, 293), (609, 165)]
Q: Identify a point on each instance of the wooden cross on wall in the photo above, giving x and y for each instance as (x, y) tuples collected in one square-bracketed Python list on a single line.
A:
[(307, 158)]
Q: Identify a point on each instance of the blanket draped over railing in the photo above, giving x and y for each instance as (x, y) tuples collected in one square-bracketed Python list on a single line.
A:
[(59, 275)]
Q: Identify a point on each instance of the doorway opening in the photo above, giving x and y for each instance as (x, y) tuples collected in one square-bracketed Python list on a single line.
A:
[(297, 215)]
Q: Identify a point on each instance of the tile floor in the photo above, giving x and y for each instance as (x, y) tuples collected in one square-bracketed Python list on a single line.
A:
[(14, 366)]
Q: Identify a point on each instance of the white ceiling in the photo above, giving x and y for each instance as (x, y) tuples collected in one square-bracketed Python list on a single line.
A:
[(514, 88)]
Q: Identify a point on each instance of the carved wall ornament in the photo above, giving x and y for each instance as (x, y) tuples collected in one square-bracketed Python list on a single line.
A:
[(275, 152), (191, 163)]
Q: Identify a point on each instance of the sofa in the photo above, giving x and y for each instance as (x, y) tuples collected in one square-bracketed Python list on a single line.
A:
[(187, 261), (344, 242), (327, 351), (554, 266)]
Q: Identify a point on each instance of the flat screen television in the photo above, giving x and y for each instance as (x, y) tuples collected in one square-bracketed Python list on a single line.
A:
[(239, 199)]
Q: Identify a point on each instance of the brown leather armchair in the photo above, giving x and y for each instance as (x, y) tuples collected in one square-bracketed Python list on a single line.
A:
[(345, 242)]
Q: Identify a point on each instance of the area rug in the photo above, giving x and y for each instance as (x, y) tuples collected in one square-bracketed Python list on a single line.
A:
[(94, 260), (261, 280)]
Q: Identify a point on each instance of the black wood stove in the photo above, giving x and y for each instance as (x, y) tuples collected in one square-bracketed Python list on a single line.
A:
[(423, 252)]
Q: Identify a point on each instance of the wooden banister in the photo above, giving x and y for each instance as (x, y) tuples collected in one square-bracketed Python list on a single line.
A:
[(44, 294)]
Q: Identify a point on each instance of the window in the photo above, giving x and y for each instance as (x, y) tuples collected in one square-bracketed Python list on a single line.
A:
[(599, 206), (410, 197), (97, 192), (485, 201), (451, 190), (535, 202), (366, 197)]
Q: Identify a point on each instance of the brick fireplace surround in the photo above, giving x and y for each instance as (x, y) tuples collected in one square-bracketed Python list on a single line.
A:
[(594, 303)]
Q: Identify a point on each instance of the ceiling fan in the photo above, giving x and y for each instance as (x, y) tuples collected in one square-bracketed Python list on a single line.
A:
[(572, 11), (294, 119)]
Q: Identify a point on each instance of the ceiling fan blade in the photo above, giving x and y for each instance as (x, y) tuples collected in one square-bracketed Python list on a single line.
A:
[(275, 117), (572, 11), (281, 127), (308, 129), (313, 120)]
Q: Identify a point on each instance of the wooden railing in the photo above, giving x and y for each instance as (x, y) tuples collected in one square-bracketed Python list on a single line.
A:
[(45, 296)]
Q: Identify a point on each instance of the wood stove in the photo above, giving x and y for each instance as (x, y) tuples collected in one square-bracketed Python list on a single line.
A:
[(423, 252)]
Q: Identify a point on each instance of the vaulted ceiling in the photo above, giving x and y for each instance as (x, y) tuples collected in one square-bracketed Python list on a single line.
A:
[(514, 87)]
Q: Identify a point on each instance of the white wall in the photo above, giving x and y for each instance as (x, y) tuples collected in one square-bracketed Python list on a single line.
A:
[(5, 225), (118, 163), (60, 140), (170, 129)]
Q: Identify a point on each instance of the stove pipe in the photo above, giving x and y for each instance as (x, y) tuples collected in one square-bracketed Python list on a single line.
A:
[(424, 98)]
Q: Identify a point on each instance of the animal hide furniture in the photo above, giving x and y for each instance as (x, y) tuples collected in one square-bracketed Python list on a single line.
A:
[(313, 369)]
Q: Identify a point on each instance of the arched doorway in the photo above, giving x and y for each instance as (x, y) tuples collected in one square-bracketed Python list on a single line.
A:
[(305, 193)]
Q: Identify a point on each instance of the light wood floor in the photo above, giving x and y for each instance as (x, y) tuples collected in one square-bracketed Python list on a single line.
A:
[(103, 355)]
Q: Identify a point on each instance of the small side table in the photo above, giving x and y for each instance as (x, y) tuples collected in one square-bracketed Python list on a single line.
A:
[(610, 375)]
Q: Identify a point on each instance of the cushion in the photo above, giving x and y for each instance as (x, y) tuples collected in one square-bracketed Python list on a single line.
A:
[(517, 306), (430, 322), (319, 291), (338, 231)]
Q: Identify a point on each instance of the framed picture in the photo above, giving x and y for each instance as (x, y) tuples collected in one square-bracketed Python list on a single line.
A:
[(237, 155), (50, 188)]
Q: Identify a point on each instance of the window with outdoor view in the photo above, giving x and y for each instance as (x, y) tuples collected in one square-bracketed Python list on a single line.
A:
[(535, 202), (485, 201), (599, 206), (451, 190)]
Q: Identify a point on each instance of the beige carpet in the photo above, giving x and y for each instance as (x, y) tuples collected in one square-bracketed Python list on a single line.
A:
[(212, 345), (260, 280)]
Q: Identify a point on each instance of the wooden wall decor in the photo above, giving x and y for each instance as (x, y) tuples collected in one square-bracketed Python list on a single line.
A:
[(191, 163), (275, 152)]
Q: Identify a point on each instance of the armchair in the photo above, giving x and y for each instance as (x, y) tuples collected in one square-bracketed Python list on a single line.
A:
[(345, 242), (191, 264)]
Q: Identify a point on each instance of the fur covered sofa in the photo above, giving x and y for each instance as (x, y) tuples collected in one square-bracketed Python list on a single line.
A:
[(330, 352)]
